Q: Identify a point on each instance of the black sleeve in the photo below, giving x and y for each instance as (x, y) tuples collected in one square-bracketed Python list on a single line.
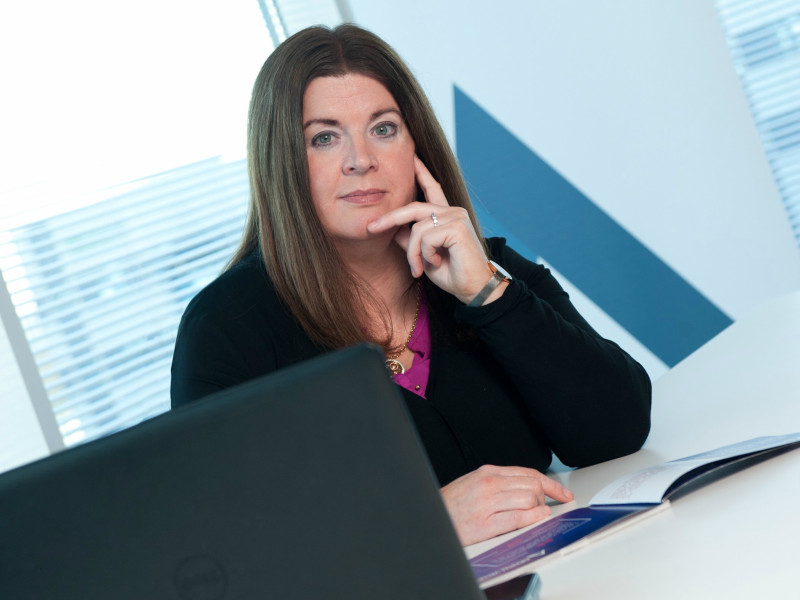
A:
[(591, 399), (224, 339), (205, 361)]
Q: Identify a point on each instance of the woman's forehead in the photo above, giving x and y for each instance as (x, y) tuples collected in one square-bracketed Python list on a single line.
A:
[(351, 96)]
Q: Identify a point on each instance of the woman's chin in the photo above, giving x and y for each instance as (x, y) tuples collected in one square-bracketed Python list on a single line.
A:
[(364, 217), (360, 235), (353, 224)]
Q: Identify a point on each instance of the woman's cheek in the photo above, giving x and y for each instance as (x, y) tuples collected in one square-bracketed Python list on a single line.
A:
[(403, 173)]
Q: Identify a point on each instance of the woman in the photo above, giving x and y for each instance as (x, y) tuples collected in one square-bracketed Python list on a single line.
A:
[(361, 228)]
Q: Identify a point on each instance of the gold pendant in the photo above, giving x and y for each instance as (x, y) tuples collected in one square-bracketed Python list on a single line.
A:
[(395, 366)]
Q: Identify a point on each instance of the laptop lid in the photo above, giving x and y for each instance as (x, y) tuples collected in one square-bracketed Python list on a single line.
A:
[(308, 483)]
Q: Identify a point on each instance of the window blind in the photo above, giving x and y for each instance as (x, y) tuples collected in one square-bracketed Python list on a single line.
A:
[(101, 290), (299, 14), (99, 279), (764, 40), (286, 17)]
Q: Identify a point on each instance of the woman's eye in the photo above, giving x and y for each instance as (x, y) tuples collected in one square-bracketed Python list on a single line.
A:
[(385, 130), (323, 139)]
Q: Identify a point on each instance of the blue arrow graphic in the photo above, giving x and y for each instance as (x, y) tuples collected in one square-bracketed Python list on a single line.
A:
[(553, 219)]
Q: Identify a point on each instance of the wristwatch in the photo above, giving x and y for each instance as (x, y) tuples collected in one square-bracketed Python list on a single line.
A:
[(499, 274)]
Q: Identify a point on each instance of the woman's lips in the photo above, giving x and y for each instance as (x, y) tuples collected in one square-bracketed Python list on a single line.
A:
[(371, 196)]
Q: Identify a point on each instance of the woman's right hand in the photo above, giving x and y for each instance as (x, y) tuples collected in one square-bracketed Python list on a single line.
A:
[(493, 500)]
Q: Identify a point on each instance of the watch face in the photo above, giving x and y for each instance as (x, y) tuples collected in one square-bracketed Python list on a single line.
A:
[(501, 270)]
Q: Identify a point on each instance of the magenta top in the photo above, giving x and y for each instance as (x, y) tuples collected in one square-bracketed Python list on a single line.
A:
[(415, 379)]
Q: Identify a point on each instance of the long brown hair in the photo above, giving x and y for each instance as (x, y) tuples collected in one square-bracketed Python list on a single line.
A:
[(309, 276)]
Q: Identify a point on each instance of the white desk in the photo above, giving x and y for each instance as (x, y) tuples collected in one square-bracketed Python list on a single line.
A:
[(736, 537)]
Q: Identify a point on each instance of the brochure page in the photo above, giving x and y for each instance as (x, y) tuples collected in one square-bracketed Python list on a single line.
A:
[(623, 502), (548, 539), (649, 486)]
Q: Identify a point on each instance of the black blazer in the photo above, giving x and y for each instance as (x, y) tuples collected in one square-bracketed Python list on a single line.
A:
[(509, 382)]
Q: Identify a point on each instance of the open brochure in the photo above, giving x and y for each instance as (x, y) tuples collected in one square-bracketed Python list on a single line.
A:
[(624, 501)]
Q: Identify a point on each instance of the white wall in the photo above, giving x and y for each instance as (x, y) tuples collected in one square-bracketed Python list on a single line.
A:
[(21, 438), (637, 104)]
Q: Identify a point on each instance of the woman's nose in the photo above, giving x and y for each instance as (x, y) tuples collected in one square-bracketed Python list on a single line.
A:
[(360, 158)]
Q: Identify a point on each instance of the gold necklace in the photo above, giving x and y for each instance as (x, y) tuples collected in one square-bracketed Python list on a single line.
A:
[(394, 365)]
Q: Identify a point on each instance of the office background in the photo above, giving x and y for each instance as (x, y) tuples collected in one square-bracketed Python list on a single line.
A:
[(649, 153)]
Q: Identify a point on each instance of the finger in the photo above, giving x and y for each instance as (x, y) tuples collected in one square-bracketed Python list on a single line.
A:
[(555, 490), (430, 253), (510, 471), (525, 485), (402, 236), (520, 499), (423, 245), (435, 239), (430, 187), (410, 213), (413, 250), (552, 488), (509, 520)]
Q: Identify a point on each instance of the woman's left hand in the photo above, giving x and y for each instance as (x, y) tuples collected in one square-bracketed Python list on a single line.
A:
[(450, 254)]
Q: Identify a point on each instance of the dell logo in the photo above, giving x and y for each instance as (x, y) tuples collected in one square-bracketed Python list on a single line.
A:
[(200, 577)]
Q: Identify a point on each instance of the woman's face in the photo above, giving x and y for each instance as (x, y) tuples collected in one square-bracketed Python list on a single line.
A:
[(360, 154)]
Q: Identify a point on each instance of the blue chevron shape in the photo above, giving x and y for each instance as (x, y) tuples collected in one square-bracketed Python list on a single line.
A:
[(552, 218)]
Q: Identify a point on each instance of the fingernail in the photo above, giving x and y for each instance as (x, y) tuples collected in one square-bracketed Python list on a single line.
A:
[(569, 494)]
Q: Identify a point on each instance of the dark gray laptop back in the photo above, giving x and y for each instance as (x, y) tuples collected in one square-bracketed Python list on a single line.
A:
[(310, 483)]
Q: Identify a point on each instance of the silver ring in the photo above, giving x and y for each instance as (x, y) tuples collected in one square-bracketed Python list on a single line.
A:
[(435, 220)]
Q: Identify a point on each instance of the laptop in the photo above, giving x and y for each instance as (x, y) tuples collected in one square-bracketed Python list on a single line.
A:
[(309, 483)]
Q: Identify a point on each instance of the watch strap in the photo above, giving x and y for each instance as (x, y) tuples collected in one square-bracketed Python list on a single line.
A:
[(493, 282), (496, 279)]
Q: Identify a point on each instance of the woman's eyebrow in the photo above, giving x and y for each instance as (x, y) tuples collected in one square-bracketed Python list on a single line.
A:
[(329, 122), (383, 111), (335, 123)]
